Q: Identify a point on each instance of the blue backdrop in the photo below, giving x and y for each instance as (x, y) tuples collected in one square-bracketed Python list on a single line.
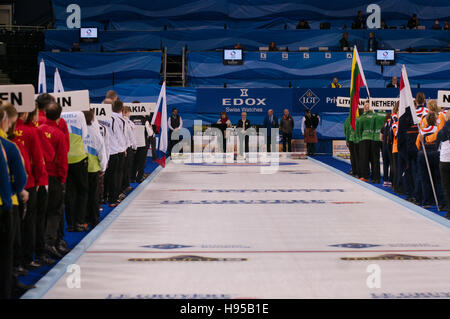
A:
[(245, 14), (100, 72), (199, 40), (206, 69)]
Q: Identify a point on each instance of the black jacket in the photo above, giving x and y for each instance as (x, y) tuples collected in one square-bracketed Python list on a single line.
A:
[(444, 134), (247, 124)]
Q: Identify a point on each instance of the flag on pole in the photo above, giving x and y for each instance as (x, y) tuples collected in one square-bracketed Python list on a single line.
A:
[(57, 83), (406, 99), (358, 80), (407, 117), (42, 85), (160, 121)]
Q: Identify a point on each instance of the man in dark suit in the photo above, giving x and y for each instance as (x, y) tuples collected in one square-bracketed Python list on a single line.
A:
[(343, 42), (393, 83), (372, 45), (244, 123), (360, 21), (270, 122)]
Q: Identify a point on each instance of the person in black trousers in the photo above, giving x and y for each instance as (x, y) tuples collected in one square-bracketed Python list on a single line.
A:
[(287, 126), (270, 122), (309, 125), (443, 143), (140, 158), (175, 122), (243, 123), (387, 151)]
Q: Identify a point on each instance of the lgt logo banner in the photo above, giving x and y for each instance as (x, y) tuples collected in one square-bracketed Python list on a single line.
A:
[(309, 100)]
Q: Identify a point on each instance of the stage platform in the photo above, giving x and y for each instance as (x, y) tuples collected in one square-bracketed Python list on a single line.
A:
[(238, 230)]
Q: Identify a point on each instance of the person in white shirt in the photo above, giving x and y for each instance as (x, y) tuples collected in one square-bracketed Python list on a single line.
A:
[(131, 150), (117, 147), (103, 131), (175, 122), (97, 162), (144, 132)]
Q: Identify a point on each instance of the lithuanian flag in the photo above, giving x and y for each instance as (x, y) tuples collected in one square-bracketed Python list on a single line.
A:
[(358, 80)]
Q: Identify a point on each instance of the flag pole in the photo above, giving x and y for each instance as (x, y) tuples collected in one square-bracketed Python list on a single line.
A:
[(429, 171)]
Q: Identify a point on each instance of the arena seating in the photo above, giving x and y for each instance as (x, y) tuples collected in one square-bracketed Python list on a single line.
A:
[(22, 48)]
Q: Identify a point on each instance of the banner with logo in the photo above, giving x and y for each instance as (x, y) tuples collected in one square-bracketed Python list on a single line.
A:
[(335, 100), (236, 101), (21, 96), (340, 149)]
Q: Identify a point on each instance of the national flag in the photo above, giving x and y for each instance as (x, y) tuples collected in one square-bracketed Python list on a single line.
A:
[(358, 80), (407, 117), (160, 121), (406, 99), (57, 83), (42, 85)]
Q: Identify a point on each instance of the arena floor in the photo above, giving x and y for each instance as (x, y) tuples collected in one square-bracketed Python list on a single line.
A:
[(234, 231)]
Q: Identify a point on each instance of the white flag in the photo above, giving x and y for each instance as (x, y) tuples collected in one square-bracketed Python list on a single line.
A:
[(57, 83), (42, 85), (406, 98), (160, 121)]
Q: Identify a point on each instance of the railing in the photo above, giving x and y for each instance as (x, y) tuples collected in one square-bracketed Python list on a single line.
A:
[(22, 28)]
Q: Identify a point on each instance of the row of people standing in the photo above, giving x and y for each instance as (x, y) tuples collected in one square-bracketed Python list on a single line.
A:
[(310, 123), (405, 167), (52, 168), (37, 145)]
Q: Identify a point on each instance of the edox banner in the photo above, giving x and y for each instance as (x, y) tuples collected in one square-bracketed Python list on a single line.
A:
[(243, 100)]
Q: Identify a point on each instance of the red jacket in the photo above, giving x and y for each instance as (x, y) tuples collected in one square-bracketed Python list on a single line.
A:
[(42, 118), (27, 139), (61, 124), (59, 166), (26, 162), (47, 151)]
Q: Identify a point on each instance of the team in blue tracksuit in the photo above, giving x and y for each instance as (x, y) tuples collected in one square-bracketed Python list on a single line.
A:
[(9, 219), (5, 190)]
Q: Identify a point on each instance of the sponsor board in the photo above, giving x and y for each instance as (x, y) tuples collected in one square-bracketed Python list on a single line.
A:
[(309, 100), (21, 96), (390, 257), (187, 258), (340, 149), (254, 100)]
